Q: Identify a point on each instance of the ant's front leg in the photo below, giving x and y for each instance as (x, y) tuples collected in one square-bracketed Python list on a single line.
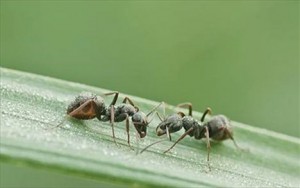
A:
[(116, 93), (122, 117)]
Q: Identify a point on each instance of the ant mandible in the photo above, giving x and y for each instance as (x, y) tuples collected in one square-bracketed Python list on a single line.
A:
[(217, 128)]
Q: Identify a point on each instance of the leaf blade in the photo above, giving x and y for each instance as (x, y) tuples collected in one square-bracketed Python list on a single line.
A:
[(31, 103)]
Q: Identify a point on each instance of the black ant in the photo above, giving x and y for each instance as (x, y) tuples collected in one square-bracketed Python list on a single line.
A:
[(217, 128), (88, 107)]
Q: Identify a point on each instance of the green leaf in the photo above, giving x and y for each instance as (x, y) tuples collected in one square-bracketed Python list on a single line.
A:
[(32, 104)]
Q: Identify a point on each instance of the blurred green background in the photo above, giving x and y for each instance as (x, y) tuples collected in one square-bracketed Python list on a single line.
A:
[(241, 58)]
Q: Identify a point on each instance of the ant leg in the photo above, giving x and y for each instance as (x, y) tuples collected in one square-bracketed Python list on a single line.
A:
[(207, 143), (181, 137), (207, 111), (137, 137), (127, 130), (112, 120), (129, 100), (187, 105), (168, 133), (234, 142), (116, 93)]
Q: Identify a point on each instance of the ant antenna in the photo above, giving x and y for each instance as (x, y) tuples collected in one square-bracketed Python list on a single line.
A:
[(161, 103), (154, 110)]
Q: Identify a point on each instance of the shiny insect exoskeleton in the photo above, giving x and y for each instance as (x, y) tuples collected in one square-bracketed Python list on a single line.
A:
[(89, 106), (217, 128)]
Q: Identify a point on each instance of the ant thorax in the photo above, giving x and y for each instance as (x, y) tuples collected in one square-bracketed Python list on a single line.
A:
[(190, 122), (173, 122), (125, 108)]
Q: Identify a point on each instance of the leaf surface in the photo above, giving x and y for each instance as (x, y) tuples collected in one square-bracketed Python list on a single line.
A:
[(32, 104)]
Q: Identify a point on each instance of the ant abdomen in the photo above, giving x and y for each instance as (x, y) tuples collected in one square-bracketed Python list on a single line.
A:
[(219, 128), (91, 106)]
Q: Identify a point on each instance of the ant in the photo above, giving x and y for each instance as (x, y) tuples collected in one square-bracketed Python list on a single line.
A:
[(88, 107), (217, 128)]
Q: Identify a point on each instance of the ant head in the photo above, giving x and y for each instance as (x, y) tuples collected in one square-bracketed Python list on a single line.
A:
[(140, 123), (160, 131), (142, 130)]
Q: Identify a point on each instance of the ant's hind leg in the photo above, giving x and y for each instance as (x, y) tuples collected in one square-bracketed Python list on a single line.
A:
[(234, 142), (187, 105), (122, 117), (207, 111), (126, 99)]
